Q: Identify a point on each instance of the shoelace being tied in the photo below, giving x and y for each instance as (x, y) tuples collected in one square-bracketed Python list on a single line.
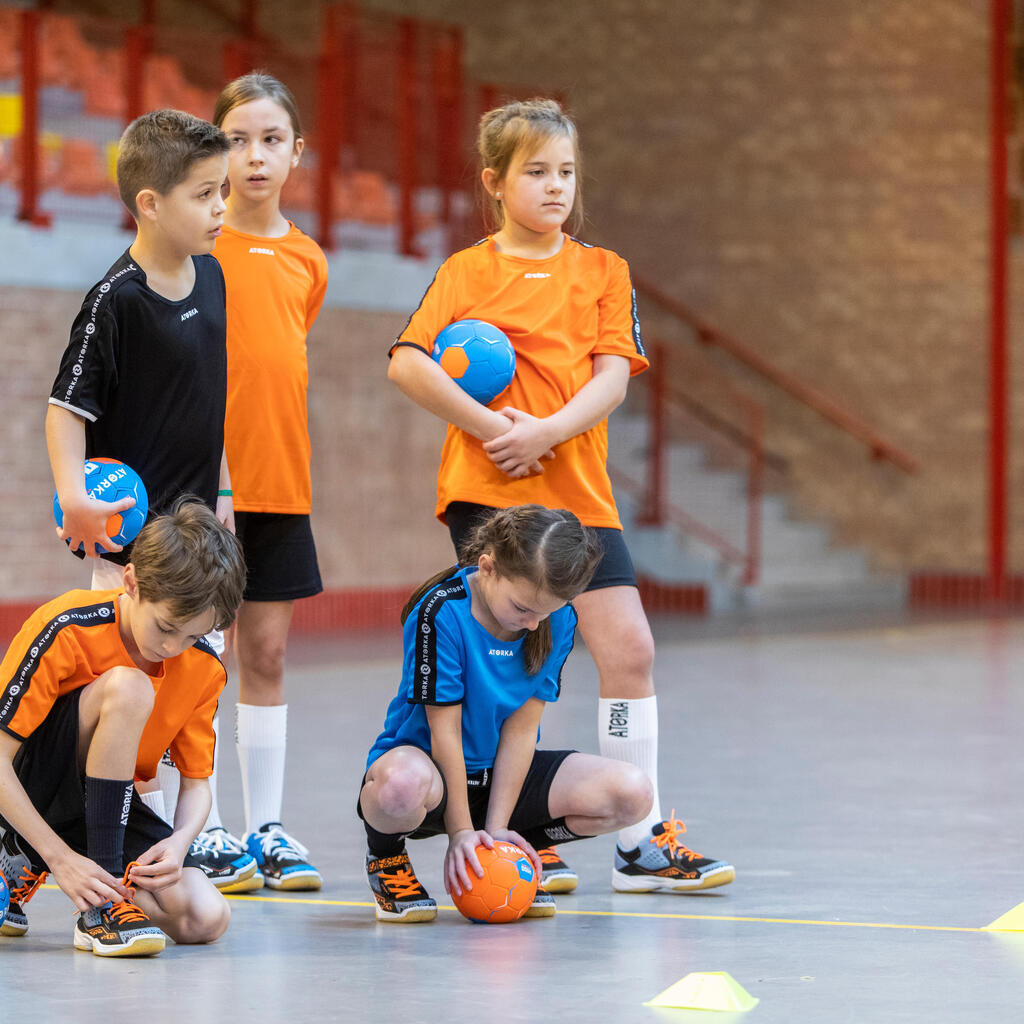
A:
[(672, 829)]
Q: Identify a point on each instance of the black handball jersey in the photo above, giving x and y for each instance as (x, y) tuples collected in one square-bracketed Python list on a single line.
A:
[(149, 375)]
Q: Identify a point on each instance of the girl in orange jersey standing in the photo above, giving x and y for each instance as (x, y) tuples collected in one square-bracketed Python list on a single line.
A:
[(569, 310), (276, 277)]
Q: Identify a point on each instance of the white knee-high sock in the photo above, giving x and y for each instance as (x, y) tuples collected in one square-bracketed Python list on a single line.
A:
[(261, 738), (154, 800), (213, 818), (627, 730), (170, 783)]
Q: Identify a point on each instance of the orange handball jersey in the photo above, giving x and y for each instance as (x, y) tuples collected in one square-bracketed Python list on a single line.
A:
[(70, 641), (275, 287), (558, 313)]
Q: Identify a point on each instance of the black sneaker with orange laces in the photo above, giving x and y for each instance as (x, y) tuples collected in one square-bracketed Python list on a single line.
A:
[(118, 929), (662, 863), (23, 879), (557, 876), (399, 895)]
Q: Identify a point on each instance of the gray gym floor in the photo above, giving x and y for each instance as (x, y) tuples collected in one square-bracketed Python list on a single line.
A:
[(865, 778)]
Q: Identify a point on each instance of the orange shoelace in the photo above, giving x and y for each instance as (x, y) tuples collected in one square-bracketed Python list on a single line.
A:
[(403, 884), (672, 829), (549, 855), (29, 881), (125, 911)]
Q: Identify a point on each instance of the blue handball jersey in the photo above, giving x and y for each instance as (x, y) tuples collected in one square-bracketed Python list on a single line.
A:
[(451, 659)]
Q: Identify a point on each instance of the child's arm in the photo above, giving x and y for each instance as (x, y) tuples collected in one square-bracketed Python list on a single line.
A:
[(161, 865), (422, 380), (446, 749), (83, 880), (225, 502), (85, 518), (515, 752), (531, 436)]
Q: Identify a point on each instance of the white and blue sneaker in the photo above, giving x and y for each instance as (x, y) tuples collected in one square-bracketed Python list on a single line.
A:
[(225, 861), (281, 859), (662, 864)]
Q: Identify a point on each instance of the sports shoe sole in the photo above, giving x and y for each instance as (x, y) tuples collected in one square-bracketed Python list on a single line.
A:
[(711, 879), (250, 883), (298, 882), (560, 881), (544, 910), (411, 915), (13, 929), (142, 945)]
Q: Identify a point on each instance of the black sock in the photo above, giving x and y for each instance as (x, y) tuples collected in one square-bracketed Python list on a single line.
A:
[(107, 803), (384, 844), (555, 831)]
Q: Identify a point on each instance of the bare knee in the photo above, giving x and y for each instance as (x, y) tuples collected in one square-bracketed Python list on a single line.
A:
[(631, 795), (263, 656), (127, 694), (203, 920), (401, 785)]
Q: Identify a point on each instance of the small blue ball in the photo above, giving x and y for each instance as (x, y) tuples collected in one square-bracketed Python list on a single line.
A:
[(478, 356), (110, 480), (5, 899)]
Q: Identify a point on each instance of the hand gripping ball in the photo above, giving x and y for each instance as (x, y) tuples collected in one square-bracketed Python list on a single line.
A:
[(507, 889), (477, 356), (110, 480)]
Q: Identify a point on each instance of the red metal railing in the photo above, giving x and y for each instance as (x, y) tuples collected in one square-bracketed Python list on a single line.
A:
[(667, 398), (827, 408)]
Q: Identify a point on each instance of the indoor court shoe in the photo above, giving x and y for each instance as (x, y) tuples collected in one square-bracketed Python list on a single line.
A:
[(662, 864), (543, 905), (282, 859), (118, 929), (225, 861), (22, 879), (557, 876), (395, 887)]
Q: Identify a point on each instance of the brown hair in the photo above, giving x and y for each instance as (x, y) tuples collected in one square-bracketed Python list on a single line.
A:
[(159, 149), (257, 85), (524, 126), (549, 548), (190, 559)]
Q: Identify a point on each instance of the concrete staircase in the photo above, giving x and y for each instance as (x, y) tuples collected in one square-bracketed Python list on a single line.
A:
[(800, 566)]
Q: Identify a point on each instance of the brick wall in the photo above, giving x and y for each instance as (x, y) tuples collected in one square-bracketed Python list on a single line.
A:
[(813, 179)]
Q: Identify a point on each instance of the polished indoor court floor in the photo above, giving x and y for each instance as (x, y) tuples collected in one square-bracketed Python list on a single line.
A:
[(865, 777)]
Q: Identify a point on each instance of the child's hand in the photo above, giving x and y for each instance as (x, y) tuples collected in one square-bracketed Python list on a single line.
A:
[(519, 450), (506, 835), (85, 522), (461, 856), (159, 867), (85, 883)]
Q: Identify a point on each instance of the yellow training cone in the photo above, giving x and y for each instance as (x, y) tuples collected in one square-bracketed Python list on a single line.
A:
[(1011, 921), (710, 990)]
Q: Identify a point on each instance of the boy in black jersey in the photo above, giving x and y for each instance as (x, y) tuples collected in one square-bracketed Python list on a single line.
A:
[(144, 376)]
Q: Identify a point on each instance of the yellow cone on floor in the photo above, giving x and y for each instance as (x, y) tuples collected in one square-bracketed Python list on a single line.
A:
[(1011, 921), (708, 990)]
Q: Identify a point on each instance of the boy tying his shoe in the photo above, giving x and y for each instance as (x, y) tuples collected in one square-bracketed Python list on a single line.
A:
[(93, 689)]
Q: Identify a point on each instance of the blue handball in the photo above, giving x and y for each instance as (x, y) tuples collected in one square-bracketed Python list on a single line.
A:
[(477, 356), (110, 480), (5, 899)]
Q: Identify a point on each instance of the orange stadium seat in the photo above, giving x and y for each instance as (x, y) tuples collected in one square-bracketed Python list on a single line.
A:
[(82, 170)]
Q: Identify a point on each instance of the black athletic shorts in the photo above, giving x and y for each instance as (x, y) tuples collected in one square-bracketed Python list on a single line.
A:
[(280, 556), (530, 814), (614, 570), (47, 768)]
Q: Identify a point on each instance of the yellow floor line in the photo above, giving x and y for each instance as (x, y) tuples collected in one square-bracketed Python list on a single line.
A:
[(564, 911)]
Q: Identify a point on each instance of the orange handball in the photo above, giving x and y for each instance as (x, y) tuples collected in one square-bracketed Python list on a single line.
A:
[(505, 892)]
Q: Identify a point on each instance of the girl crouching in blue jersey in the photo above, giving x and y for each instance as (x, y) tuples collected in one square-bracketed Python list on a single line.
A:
[(484, 647)]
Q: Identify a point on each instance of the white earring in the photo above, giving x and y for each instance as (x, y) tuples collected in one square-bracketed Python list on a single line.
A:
[(497, 195)]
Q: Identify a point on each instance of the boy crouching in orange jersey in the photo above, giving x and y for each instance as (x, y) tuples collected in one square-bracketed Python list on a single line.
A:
[(93, 689)]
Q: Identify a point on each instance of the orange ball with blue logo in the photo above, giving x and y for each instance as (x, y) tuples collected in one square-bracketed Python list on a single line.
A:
[(505, 892)]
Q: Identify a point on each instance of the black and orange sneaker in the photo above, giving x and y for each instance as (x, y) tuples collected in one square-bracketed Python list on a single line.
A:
[(662, 864), (543, 905), (23, 879), (557, 876), (395, 887), (118, 929)]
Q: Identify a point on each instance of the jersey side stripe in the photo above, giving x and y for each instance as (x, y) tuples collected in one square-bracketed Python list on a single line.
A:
[(101, 614), (425, 657), (638, 341), (572, 644)]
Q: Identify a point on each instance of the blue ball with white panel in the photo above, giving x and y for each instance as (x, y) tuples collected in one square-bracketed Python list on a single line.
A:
[(5, 898), (478, 356)]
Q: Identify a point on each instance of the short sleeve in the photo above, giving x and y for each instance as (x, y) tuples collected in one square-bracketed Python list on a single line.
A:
[(618, 329), (434, 313), (318, 289), (192, 748), (563, 635), (88, 368), (438, 660)]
